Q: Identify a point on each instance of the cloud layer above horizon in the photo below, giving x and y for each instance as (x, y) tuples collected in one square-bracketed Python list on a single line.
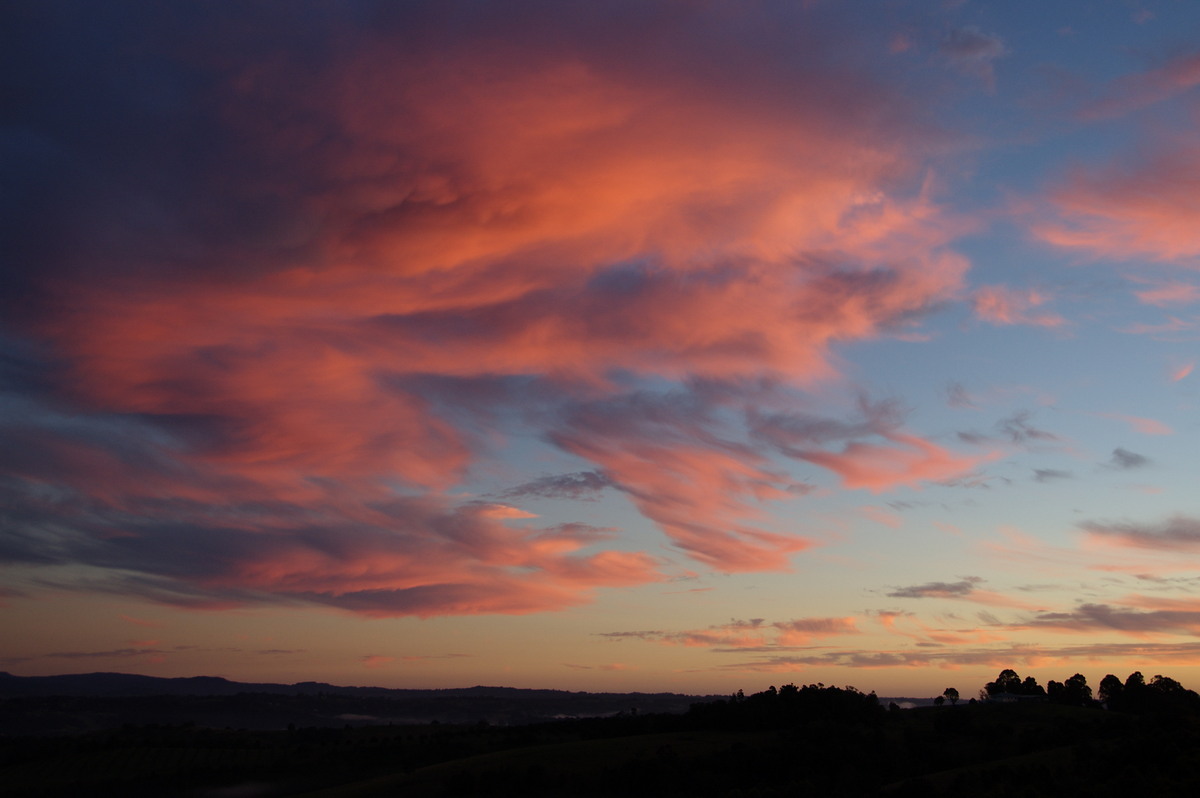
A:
[(442, 309)]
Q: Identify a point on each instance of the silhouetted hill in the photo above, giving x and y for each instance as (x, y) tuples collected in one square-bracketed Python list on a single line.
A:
[(812, 740)]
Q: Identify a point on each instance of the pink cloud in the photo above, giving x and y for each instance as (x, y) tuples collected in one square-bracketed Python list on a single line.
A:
[(1167, 294), (802, 631), (1001, 305), (701, 489), (900, 42), (1146, 426), (881, 516), (394, 256), (502, 511), (1172, 325), (908, 461), (1140, 90), (1181, 371), (1145, 211)]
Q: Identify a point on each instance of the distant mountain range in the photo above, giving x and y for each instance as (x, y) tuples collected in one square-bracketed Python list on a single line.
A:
[(129, 685), (90, 701)]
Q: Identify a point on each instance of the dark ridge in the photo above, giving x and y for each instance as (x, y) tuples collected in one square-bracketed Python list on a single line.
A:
[(135, 685)]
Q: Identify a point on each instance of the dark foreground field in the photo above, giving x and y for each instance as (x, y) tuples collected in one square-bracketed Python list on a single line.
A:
[(837, 743)]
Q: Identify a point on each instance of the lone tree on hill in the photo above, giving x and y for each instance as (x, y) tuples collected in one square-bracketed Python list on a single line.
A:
[(951, 695)]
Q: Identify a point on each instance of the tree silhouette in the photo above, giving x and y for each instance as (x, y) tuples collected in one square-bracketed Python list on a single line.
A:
[(1077, 689), (1073, 692), (951, 695), (1165, 684), (1031, 687), (1110, 690), (1007, 682)]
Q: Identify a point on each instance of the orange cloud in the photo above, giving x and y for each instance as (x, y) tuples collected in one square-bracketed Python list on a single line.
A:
[(375, 660)]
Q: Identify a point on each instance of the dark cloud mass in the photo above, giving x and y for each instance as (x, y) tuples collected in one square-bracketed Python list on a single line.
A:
[(963, 587), (1125, 459), (1102, 616), (1018, 429), (578, 485), (1179, 532)]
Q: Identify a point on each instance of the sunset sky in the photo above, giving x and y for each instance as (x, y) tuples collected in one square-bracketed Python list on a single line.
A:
[(625, 345)]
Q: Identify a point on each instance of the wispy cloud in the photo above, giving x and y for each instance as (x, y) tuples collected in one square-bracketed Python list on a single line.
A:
[(1145, 426), (1125, 459), (966, 589), (375, 660), (1142, 210), (1182, 371), (580, 485), (752, 634), (1143, 89), (1167, 294), (972, 51), (1002, 305), (1050, 474), (954, 657), (1018, 428)]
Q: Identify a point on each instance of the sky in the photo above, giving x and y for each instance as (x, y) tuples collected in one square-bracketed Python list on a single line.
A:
[(654, 345)]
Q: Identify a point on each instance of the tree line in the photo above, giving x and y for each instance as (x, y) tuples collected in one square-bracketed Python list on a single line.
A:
[(1135, 694)]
